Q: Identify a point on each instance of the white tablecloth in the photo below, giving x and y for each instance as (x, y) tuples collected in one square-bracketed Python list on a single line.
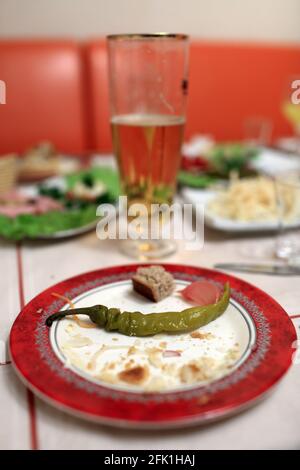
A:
[(27, 422)]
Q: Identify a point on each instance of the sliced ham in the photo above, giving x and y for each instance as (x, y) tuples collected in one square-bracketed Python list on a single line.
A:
[(46, 204), (13, 197), (201, 293), (14, 211), (13, 204)]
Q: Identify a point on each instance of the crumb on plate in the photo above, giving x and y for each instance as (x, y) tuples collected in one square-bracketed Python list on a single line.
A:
[(135, 376)]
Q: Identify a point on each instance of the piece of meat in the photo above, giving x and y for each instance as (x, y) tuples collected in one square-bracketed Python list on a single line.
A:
[(46, 204), (201, 293), (13, 204), (13, 197), (14, 211)]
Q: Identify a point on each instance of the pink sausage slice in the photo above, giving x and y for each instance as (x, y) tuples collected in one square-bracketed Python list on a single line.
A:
[(201, 293)]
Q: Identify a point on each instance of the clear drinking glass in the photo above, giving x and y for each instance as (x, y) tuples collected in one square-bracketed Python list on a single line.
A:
[(148, 88), (291, 111), (258, 131), (288, 200)]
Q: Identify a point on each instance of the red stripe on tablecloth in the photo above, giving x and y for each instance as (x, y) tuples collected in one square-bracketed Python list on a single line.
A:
[(294, 316), (32, 421), (30, 396), (20, 275), (6, 363)]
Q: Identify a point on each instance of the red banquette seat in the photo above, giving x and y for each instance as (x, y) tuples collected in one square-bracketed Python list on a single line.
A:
[(58, 91), (44, 95), (228, 84)]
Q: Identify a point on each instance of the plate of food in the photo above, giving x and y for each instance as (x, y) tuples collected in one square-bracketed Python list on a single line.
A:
[(44, 161), (152, 346), (246, 205), (204, 167), (218, 162), (59, 207)]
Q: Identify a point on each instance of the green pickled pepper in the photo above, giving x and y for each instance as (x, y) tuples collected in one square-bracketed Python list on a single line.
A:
[(140, 324)]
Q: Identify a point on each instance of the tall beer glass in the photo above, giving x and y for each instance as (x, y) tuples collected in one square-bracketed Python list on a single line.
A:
[(148, 88)]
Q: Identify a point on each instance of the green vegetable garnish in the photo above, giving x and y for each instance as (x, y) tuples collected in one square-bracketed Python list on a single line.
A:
[(229, 157), (195, 180), (76, 213), (53, 192), (139, 324), (33, 226), (107, 175), (88, 180)]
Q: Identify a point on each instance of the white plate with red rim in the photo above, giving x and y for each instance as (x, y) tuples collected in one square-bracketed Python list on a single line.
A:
[(159, 381)]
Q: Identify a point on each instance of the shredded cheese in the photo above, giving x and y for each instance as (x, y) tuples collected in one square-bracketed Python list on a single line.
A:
[(81, 323), (256, 200)]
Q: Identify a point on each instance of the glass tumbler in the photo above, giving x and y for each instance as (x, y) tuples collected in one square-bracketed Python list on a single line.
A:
[(148, 88), (288, 200)]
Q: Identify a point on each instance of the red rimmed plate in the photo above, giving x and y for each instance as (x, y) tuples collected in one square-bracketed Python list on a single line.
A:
[(223, 368)]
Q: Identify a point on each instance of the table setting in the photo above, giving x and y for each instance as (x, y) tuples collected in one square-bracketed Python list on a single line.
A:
[(115, 338)]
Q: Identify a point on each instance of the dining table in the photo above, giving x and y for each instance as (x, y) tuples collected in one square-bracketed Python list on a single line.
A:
[(27, 268)]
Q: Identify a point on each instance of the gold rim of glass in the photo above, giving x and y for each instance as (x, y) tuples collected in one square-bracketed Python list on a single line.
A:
[(147, 36)]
